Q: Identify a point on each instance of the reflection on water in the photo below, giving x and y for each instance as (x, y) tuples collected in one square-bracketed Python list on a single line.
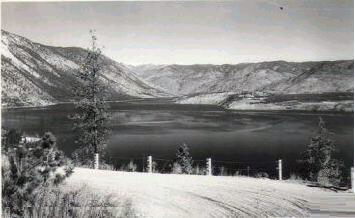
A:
[(139, 130)]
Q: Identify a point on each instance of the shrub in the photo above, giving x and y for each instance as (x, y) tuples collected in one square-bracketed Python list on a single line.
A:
[(295, 177), (262, 175), (319, 164), (154, 168), (237, 173), (28, 167), (10, 138), (81, 202), (130, 167), (222, 171), (183, 159), (177, 169), (197, 170), (106, 166), (330, 174)]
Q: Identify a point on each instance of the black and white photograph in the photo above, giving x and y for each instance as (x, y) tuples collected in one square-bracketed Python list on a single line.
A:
[(177, 109)]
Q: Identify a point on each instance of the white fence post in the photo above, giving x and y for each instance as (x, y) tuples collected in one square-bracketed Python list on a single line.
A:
[(209, 166), (96, 161), (150, 164), (280, 169), (352, 180)]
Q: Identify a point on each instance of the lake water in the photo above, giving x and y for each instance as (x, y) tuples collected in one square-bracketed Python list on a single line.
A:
[(235, 140)]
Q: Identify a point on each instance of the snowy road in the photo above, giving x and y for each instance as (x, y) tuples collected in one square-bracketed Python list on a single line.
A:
[(168, 195)]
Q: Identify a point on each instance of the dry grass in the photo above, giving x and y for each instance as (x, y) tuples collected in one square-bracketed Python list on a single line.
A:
[(78, 202)]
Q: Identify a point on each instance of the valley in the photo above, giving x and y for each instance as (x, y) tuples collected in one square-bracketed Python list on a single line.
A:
[(39, 75)]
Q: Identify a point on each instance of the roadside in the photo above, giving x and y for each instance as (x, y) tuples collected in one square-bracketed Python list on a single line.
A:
[(169, 195)]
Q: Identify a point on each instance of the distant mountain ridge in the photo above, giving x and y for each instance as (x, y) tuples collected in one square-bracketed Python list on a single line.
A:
[(34, 74), (278, 77)]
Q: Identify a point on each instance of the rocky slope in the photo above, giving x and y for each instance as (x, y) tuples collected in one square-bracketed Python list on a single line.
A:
[(273, 77), (248, 86), (34, 74)]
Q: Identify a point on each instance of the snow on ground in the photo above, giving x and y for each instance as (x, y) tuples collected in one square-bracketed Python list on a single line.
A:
[(169, 195)]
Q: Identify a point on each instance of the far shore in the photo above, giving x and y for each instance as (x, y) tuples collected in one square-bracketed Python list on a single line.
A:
[(170, 101)]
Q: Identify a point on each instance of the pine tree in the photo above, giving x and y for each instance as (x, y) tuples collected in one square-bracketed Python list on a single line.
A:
[(183, 159), (28, 167), (9, 138), (91, 110), (319, 158)]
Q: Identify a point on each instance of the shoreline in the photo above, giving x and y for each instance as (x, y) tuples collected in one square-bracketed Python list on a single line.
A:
[(4, 108)]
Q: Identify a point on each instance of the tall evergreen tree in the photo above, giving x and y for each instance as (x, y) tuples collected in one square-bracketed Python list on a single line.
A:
[(91, 109), (183, 159), (319, 158)]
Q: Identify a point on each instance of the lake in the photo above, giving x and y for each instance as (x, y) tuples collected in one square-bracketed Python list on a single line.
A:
[(233, 139)]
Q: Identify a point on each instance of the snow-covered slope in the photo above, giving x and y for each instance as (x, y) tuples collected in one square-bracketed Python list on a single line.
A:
[(278, 77), (36, 74), (169, 195)]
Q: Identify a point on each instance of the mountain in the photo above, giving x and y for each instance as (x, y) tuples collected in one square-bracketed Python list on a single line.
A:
[(276, 85), (279, 77), (33, 74)]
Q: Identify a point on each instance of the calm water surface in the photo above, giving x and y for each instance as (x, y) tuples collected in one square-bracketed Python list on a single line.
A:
[(254, 139)]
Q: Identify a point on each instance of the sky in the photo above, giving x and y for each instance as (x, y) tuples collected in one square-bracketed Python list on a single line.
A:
[(224, 32)]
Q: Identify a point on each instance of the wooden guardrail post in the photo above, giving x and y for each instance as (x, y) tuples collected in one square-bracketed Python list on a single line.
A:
[(96, 161), (352, 180), (209, 166), (150, 164), (280, 169)]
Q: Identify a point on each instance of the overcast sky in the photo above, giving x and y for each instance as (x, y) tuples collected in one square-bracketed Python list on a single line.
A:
[(193, 32)]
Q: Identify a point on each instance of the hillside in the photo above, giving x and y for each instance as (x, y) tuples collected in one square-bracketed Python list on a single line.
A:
[(35, 74), (277, 85), (169, 195), (277, 77)]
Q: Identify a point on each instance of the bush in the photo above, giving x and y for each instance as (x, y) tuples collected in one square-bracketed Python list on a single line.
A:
[(28, 167), (106, 166), (319, 164), (295, 177), (222, 171), (130, 167), (237, 173), (10, 138), (177, 169), (183, 160), (154, 168), (262, 175), (331, 174), (78, 202), (197, 170)]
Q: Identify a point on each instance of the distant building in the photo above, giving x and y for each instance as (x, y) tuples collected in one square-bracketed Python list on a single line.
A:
[(29, 139)]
